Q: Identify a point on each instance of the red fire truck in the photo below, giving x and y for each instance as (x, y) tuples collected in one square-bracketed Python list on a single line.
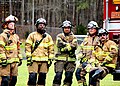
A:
[(112, 24)]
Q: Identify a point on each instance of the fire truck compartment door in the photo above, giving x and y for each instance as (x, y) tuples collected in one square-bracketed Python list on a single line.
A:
[(112, 25)]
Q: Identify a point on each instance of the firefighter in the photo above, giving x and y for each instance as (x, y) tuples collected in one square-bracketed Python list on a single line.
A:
[(65, 57), (10, 56), (87, 61), (107, 59), (39, 52)]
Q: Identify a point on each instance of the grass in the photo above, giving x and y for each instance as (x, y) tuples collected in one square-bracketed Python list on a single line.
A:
[(23, 77)]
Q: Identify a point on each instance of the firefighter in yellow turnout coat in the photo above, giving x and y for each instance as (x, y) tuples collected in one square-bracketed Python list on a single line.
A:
[(65, 57), (10, 57), (39, 51), (86, 59), (106, 53)]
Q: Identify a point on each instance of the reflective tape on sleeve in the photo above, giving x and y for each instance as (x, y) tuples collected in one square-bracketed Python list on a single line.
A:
[(2, 55), (12, 60), (111, 65), (46, 44), (45, 58), (63, 58), (88, 47), (2, 43), (108, 58), (113, 47), (28, 53), (11, 47), (29, 41)]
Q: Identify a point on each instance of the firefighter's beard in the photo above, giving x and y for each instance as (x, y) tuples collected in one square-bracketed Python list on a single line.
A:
[(102, 40), (41, 31)]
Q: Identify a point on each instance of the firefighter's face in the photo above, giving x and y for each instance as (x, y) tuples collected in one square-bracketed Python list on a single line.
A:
[(92, 31), (11, 27), (66, 30), (103, 37), (41, 26)]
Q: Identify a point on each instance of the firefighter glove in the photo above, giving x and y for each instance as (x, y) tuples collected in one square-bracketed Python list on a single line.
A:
[(66, 48), (49, 63), (82, 60), (104, 63), (4, 63), (20, 62), (29, 61), (61, 44)]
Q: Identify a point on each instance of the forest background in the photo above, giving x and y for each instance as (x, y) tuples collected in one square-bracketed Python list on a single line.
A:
[(79, 12)]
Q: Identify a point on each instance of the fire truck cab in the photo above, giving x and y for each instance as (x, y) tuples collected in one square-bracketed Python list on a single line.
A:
[(112, 24)]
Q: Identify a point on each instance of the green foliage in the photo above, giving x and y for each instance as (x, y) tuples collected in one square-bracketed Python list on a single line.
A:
[(81, 30), (26, 34), (23, 77), (82, 5)]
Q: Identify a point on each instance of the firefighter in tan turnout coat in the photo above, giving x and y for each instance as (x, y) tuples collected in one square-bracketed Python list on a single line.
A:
[(85, 55), (39, 51), (10, 57), (65, 57), (106, 53)]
